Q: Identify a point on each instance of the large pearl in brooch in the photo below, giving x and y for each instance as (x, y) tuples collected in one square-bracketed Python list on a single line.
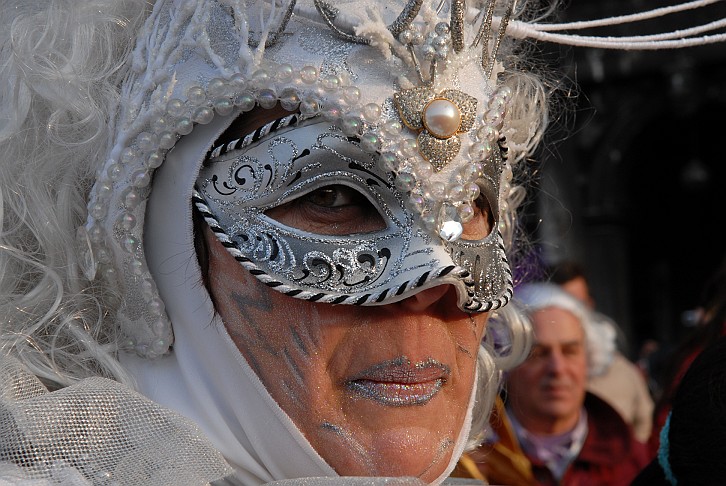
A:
[(441, 118)]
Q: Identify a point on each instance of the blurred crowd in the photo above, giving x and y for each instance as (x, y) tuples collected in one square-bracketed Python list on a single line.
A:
[(578, 411)]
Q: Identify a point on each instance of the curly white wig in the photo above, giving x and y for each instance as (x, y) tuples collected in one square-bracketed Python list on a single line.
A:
[(61, 63)]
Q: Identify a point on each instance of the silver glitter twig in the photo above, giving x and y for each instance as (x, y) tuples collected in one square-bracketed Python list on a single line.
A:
[(404, 20), (485, 32), (329, 13), (458, 7), (272, 40), (432, 72), (498, 40), (416, 64)]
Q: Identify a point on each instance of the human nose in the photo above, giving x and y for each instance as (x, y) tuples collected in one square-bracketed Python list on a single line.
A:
[(556, 362), (426, 298)]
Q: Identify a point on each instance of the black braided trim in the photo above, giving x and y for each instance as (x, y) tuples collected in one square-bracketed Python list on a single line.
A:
[(251, 138)]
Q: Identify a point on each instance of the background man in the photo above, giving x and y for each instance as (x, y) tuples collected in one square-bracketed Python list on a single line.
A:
[(550, 430), (620, 383)]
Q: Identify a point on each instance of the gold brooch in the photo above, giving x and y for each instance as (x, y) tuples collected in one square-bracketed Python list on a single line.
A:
[(438, 119)]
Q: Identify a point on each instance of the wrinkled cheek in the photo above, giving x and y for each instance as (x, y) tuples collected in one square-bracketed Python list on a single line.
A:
[(284, 356), (271, 338), (479, 325)]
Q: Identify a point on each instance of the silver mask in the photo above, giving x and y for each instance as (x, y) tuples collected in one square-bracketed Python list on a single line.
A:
[(244, 179)]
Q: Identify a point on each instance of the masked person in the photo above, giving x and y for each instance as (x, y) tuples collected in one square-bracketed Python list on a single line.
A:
[(256, 241), (283, 224)]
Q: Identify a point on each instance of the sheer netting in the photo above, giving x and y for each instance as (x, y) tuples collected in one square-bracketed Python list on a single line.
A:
[(96, 432)]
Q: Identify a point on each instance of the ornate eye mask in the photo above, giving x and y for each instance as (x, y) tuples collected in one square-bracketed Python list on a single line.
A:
[(313, 215)]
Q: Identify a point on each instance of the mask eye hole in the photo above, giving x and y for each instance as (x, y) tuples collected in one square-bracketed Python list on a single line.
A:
[(334, 210), (482, 224)]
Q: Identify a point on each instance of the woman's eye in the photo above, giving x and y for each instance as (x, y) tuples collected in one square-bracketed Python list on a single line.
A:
[(331, 210), (335, 196)]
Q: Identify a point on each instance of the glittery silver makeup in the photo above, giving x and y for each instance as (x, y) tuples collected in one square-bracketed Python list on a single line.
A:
[(446, 444), (352, 444), (400, 383)]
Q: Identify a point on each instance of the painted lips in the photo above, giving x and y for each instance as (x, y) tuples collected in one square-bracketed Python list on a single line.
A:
[(400, 383)]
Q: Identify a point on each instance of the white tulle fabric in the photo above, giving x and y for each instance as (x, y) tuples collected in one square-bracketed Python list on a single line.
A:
[(205, 377)]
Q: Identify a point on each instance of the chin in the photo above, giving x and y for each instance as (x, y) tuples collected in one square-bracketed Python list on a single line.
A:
[(562, 413), (414, 441), (397, 452)]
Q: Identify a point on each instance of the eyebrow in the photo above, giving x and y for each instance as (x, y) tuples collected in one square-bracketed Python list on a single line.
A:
[(251, 138), (577, 342)]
